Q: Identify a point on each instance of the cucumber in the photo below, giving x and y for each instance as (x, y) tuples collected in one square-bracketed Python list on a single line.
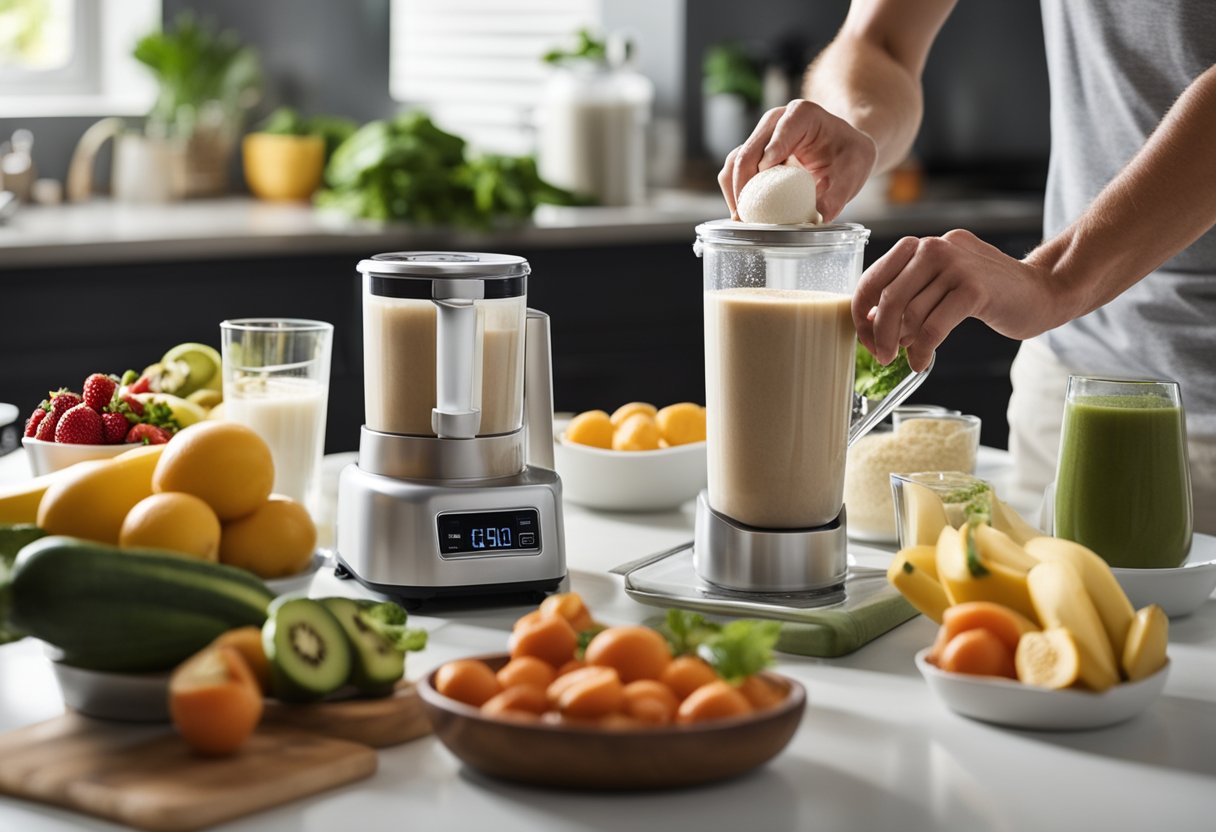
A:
[(128, 610), (377, 665)]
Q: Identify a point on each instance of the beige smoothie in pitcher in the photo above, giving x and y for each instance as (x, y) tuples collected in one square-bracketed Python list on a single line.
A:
[(399, 355), (779, 379)]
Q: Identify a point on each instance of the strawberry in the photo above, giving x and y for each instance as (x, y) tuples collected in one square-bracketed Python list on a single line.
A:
[(31, 425), (146, 434), (114, 427), (137, 407), (62, 401), (98, 390), (46, 429), (81, 425), (142, 385)]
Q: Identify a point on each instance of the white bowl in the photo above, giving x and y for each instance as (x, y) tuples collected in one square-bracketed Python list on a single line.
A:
[(1016, 705), (630, 480), (46, 457), (1178, 591), (126, 697)]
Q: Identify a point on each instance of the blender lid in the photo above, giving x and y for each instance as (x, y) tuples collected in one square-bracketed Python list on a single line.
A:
[(447, 265), (804, 235)]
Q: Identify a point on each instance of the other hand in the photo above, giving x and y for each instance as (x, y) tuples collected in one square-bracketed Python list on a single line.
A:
[(919, 291), (840, 157)]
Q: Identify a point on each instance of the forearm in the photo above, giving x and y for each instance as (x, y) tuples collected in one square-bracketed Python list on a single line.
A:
[(1160, 203), (870, 75)]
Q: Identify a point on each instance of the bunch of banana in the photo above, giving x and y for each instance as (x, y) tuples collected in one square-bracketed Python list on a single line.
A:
[(1090, 633)]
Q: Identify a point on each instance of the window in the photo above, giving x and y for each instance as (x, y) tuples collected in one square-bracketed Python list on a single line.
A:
[(475, 65), (73, 57)]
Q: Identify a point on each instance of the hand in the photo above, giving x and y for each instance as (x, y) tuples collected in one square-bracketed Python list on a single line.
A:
[(919, 291), (840, 157)]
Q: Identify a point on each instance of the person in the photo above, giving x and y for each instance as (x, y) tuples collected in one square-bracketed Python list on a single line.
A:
[(1124, 282)]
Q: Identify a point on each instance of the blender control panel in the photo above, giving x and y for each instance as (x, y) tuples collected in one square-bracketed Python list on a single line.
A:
[(487, 532)]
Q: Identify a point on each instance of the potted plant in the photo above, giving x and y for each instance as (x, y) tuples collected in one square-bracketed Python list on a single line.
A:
[(285, 157), (207, 80), (731, 92)]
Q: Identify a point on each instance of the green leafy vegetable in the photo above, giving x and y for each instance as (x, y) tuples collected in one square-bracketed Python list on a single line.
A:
[(741, 648), (333, 130), (728, 70), (584, 638), (875, 381), (587, 47), (12, 540), (406, 168), (388, 619), (734, 650)]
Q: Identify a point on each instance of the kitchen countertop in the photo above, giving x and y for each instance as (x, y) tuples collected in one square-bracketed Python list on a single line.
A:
[(874, 751), (101, 231)]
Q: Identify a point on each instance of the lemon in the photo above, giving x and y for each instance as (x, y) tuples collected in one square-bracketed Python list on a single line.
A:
[(277, 539), (173, 521), (225, 464), (682, 423), (591, 428), (195, 366), (637, 433)]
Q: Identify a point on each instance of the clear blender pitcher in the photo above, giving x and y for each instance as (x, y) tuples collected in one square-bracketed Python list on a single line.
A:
[(781, 412)]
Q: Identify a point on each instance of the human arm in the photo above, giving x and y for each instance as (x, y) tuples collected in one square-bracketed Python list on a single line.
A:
[(1160, 203), (862, 104)]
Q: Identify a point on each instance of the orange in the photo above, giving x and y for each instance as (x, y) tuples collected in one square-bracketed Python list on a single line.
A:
[(225, 464), (276, 540)]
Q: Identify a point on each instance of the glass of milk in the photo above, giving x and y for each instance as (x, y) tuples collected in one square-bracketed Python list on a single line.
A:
[(276, 381)]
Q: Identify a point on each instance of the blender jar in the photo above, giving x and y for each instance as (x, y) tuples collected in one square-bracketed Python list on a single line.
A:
[(779, 356), (444, 325)]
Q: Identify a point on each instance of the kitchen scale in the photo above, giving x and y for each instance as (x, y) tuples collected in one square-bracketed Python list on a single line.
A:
[(454, 493), (770, 533)]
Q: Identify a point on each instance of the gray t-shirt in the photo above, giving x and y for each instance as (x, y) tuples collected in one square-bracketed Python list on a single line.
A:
[(1116, 67)]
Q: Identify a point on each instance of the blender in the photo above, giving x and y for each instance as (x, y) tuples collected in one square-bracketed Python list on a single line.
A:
[(779, 359), (454, 491)]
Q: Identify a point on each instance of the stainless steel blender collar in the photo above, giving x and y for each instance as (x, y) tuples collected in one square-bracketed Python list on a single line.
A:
[(435, 274), (805, 235)]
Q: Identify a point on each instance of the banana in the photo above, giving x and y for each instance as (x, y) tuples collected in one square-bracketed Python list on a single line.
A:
[(1048, 659), (910, 572), (997, 547), (1147, 637), (926, 517), (1011, 523), (1103, 589), (1060, 600), (967, 575)]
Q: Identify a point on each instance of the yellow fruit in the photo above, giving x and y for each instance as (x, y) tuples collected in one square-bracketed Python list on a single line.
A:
[(225, 464), (637, 433), (592, 428), (94, 500), (626, 410), (682, 423), (275, 540), (967, 575), (1048, 659), (1144, 653), (175, 522), (916, 583), (1061, 601)]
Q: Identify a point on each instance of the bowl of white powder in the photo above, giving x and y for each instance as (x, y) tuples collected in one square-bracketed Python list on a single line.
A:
[(919, 442)]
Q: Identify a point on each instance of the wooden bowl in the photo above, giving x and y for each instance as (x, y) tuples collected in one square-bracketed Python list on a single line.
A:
[(575, 757)]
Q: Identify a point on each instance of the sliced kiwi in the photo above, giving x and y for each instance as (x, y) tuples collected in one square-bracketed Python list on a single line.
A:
[(307, 648), (376, 663)]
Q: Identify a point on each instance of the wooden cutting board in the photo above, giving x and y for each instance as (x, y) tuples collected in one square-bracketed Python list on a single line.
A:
[(146, 777)]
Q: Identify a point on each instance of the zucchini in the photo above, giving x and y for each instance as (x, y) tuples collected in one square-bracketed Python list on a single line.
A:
[(112, 609)]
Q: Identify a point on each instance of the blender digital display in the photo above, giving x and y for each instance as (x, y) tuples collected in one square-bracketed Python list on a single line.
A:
[(483, 532)]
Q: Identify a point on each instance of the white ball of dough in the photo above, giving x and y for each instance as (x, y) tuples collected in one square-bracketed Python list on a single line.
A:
[(781, 195)]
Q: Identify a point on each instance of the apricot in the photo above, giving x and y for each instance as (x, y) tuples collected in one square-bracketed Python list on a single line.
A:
[(634, 652), (549, 638), (592, 428), (681, 424), (595, 692), (570, 606), (1001, 621), (526, 670), (215, 701), (687, 673), (468, 681), (760, 693), (626, 410), (717, 700), (650, 702), (979, 653), (637, 433), (248, 642), (528, 699)]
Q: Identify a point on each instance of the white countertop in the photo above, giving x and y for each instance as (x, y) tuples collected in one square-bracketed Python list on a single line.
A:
[(874, 751), (102, 231)]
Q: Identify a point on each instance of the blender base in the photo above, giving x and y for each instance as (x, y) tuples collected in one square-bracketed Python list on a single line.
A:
[(516, 593), (739, 558)]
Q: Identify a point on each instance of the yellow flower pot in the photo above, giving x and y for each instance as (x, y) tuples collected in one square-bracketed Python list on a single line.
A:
[(284, 168)]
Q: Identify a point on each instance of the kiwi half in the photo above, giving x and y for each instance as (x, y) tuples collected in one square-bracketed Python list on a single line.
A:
[(376, 663), (307, 648)]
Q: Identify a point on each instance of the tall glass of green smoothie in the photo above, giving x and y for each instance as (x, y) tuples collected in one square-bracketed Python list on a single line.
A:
[(1123, 487)]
